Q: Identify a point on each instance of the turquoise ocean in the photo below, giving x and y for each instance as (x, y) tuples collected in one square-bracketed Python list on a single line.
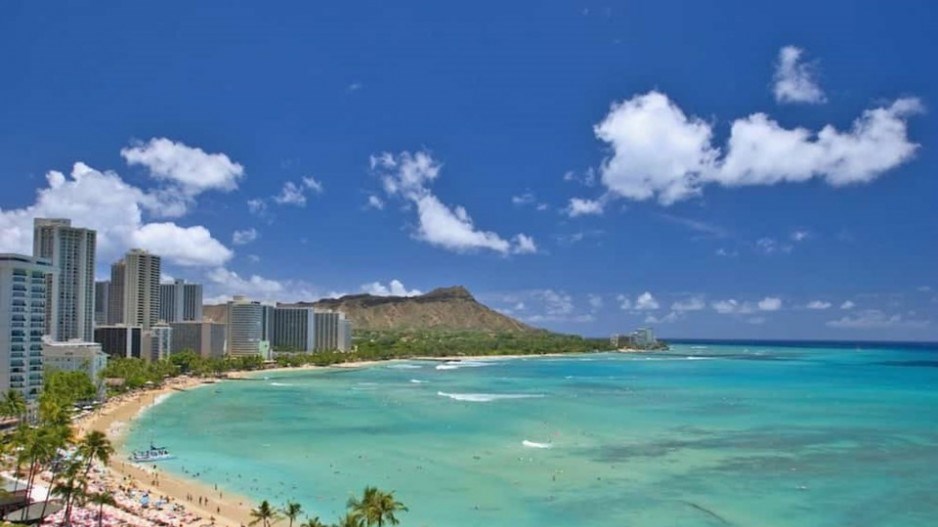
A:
[(706, 434)]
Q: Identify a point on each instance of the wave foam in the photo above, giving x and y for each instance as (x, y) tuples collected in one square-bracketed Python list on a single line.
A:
[(417, 381), (456, 364), (532, 444), (281, 384), (488, 397), (404, 367)]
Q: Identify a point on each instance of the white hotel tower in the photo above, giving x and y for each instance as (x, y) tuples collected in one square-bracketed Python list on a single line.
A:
[(22, 322), (70, 305)]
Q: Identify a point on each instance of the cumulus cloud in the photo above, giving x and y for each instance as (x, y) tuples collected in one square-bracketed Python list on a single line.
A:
[(115, 209), (646, 302), (659, 152), (794, 80), (656, 149), (584, 207), (625, 303), (671, 317), (295, 193), (847, 305), (394, 288), (375, 202), (818, 305), (876, 319), (770, 303), (408, 176), (244, 237), (596, 302), (186, 170)]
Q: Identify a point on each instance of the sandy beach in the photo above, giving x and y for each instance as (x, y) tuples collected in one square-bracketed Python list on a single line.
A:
[(113, 419)]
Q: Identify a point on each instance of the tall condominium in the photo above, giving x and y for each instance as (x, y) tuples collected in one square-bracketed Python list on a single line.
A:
[(120, 341), (245, 327), (135, 287), (158, 341), (23, 290), (294, 329), (102, 292), (180, 301), (204, 337), (71, 295), (333, 331)]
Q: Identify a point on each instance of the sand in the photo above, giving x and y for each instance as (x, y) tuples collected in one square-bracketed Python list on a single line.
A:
[(113, 419)]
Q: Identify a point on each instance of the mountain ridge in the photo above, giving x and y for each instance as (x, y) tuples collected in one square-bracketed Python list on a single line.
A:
[(451, 308)]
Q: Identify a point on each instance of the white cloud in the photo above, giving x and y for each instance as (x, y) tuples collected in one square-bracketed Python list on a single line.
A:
[(624, 303), (847, 305), (659, 152), (876, 319), (556, 303), (584, 207), (257, 206), (244, 237), (800, 235), (646, 302), (407, 176), (295, 193), (189, 246), (818, 304), (795, 80), (375, 202), (735, 307), (394, 288), (229, 283), (104, 202), (524, 244), (694, 303), (524, 199), (770, 303), (188, 171)]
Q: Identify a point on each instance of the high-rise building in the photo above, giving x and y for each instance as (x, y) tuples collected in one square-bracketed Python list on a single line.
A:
[(294, 329), (119, 341), (71, 295), (23, 290), (204, 337), (102, 291), (115, 303), (76, 356), (180, 301), (135, 286), (333, 331), (245, 327), (157, 341)]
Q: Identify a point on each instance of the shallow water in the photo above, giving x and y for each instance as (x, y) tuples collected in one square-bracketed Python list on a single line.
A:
[(704, 435)]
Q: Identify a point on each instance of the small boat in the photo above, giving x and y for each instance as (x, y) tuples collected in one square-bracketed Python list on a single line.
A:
[(154, 453)]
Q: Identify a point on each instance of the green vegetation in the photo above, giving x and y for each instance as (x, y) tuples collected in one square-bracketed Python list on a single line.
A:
[(401, 344), (375, 508), (69, 385)]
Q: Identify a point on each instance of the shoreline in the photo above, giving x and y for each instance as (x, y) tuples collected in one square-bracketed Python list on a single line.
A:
[(114, 418), (228, 509)]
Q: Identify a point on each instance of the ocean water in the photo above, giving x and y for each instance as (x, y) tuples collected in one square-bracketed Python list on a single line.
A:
[(702, 435)]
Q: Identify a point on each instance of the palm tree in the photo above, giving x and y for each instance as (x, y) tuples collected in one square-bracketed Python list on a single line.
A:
[(264, 514), (94, 446), (375, 507), (101, 499), (313, 522), (292, 510), (13, 404), (349, 520)]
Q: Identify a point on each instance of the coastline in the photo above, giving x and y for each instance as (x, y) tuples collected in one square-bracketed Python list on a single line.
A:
[(228, 509), (114, 418)]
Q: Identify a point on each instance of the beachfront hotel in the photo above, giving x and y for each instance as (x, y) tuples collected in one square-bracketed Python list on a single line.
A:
[(333, 331), (120, 341), (135, 290), (70, 292), (294, 329), (246, 323), (76, 355), (205, 337), (23, 282), (180, 301)]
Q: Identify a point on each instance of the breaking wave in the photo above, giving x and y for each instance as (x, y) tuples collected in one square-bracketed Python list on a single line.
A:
[(488, 397)]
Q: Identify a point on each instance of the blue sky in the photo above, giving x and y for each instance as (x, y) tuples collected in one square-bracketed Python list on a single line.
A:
[(747, 171)]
